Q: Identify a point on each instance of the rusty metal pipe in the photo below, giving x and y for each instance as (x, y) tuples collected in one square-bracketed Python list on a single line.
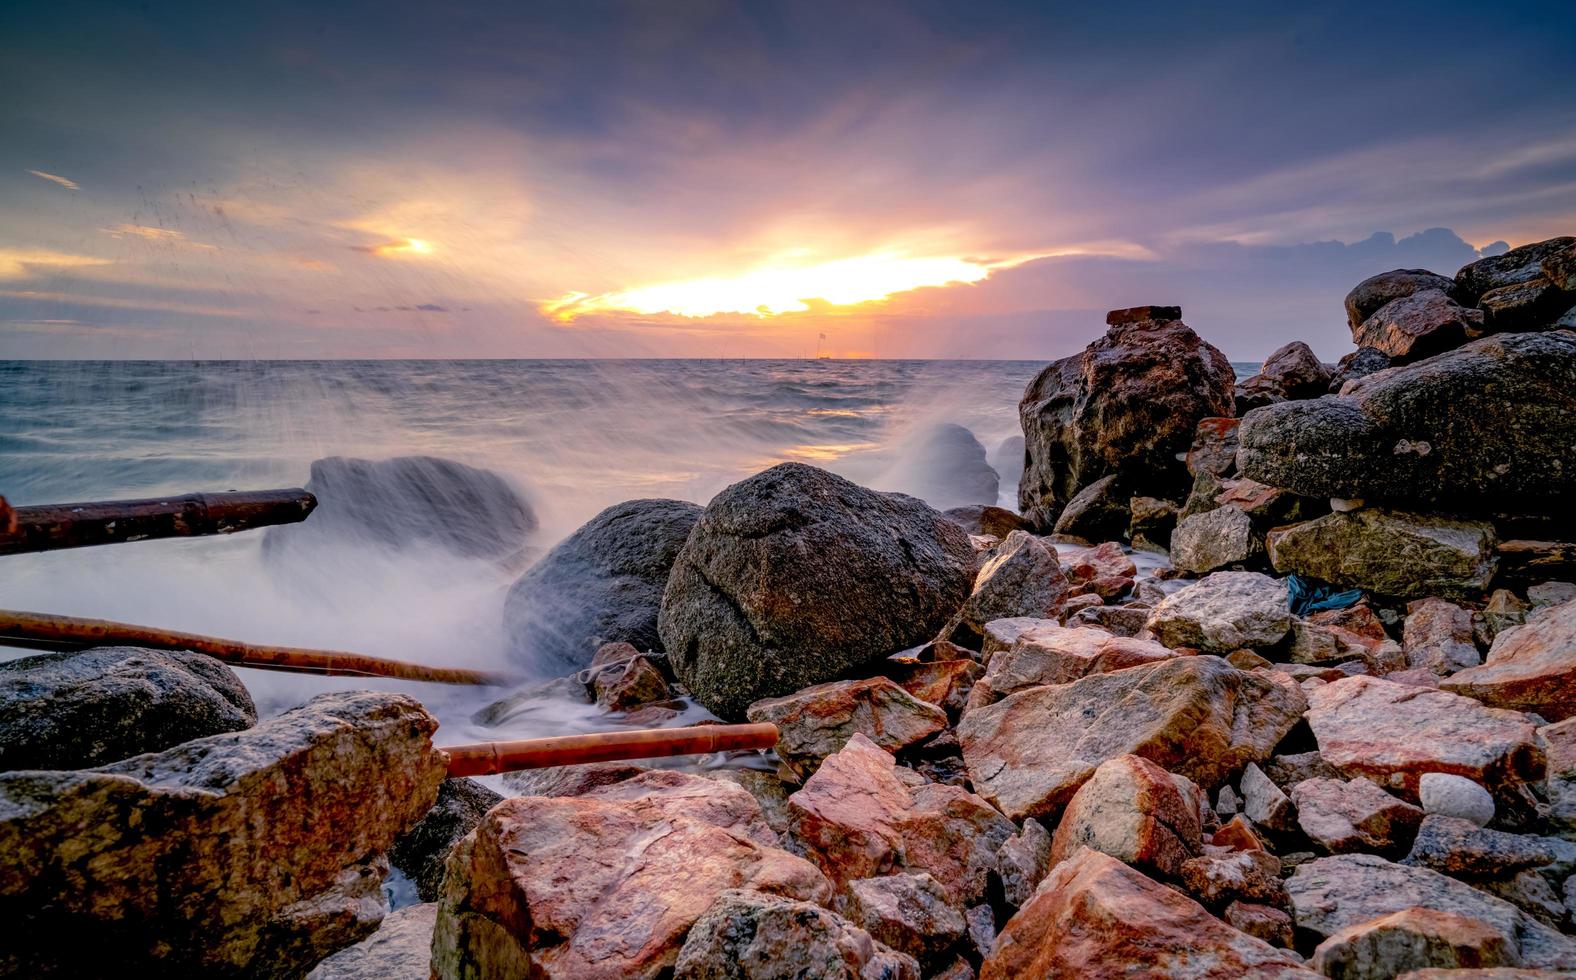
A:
[(486, 758), (50, 527)]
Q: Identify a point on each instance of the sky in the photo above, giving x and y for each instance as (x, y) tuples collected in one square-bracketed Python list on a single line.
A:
[(753, 179)]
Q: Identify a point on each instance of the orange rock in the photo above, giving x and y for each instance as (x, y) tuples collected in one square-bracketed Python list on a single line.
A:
[(1059, 655), (818, 721), (1529, 668), (1238, 835), (1096, 917), (1134, 811)]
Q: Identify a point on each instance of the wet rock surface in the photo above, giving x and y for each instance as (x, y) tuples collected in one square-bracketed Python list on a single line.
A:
[(79, 710), (796, 575), (818, 721)]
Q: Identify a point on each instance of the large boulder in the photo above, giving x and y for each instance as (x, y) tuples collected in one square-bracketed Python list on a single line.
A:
[(944, 465), (1394, 733), (1094, 916), (1195, 716), (602, 584), (1368, 296), (795, 576), (410, 500), (1517, 266), (1419, 325), (1333, 894), (1487, 427), (1127, 406), (1391, 552), (1529, 668), (607, 884), (78, 710), (861, 815), (818, 721), (1022, 576), (1414, 938), (753, 936), (1223, 612), (252, 854), (1051, 654)]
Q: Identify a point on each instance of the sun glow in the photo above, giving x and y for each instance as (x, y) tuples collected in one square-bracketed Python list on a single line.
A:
[(771, 290), (398, 247)]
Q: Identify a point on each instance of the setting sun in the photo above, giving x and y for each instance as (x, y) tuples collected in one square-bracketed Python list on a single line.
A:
[(775, 289)]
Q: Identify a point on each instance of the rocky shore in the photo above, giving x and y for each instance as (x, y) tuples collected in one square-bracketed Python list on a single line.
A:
[(1263, 679)]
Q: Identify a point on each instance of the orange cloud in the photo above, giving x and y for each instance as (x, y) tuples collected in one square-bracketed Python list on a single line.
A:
[(162, 236), (398, 248), (69, 185), (17, 263)]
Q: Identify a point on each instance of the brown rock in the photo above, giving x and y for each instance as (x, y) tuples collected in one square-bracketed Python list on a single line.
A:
[(1411, 939), (1095, 916), (908, 912), (1196, 716), (1134, 811), (1143, 314), (569, 780), (818, 721), (753, 936), (1221, 538), (1238, 835), (587, 887), (1217, 880), (1214, 448), (1418, 326), (1529, 668), (1438, 637), (1297, 371), (1393, 733), (1559, 741), (1349, 816), (1375, 291), (628, 684), (1530, 305), (254, 853), (984, 519), (1508, 268), (1263, 922), (943, 683), (858, 817), (1059, 655)]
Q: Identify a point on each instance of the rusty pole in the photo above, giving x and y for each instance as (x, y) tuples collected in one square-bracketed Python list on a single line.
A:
[(486, 758), (48, 527)]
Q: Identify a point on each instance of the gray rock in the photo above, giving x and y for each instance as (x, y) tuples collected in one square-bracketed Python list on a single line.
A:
[(1360, 363), (1390, 552), (1264, 803), (602, 584), (1297, 371), (420, 854), (78, 710), (1438, 636), (401, 949), (1335, 893), (1223, 612), (409, 500), (749, 935), (794, 576), (1546, 594), (1415, 939), (1098, 512), (1022, 576), (1023, 861), (908, 912), (1508, 268), (576, 780), (1530, 305), (1354, 815), (1462, 849), (1420, 325), (1128, 405), (1484, 428), (1449, 795), (1221, 538), (254, 854)]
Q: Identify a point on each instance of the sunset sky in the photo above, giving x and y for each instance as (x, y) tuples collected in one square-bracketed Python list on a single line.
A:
[(934, 179)]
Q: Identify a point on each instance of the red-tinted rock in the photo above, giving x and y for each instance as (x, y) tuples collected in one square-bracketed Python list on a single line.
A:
[(1058, 655), (1419, 325), (818, 721), (1214, 448), (1438, 637), (1529, 668), (748, 934), (1217, 880), (943, 683), (1356, 815), (1134, 811), (1096, 917)]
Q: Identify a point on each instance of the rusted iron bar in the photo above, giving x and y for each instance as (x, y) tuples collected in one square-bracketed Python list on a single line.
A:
[(486, 758), (43, 631), (48, 527)]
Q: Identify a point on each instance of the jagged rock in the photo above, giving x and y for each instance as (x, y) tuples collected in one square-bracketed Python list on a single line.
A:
[(1368, 296), (605, 886), (1501, 612), (753, 936), (858, 816), (982, 928), (1484, 428), (574, 780), (1411, 939), (1218, 880), (1393, 733), (1559, 268), (1546, 594), (1256, 392), (1449, 795), (1059, 655), (1297, 371), (1559, 741), (1227, 802), (602, 584), (1134, 811), (1001, 634), (1420, 325), (254, 853), (1022, 862), (1356, 815), (401, 949), (1530, 305), (770, 792), (1336, 893), (1214, 448), (1529, 668), (629, 684), (1263, 922), (1126, 620), (794, 576), (1438, 637), (1266, 505), (1151, 523), (422, 852), (1020, 577), (1220, 538), (1223, 612), (1462, 849), (908, 912), (1095, 916), (1360, 363), (1389, 552), (1128, 405), (1518, 265), (78, 710), (1099, 510), (423, 500), (1237, 835), (998, 522), (1315, 642), (1264, 802), (1195, 716), (945, 466), (1529, 891), (1103, 561), (943, 683), (818, 721)]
